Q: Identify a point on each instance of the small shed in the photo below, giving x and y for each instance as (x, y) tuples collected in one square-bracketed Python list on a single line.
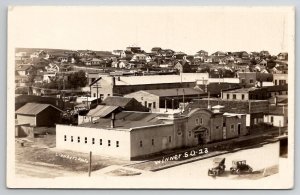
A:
[(38, 115)]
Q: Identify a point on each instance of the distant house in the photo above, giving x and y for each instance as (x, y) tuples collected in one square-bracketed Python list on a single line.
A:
[(38, 115), (179, 55), (134, 49), (282, 56), (127, 54), (182, 66), (218, 53), (140, 57), (117, 52), (263, 62), (264, 53), (52, 68), (39, 54), (24, 70), (156, 50)]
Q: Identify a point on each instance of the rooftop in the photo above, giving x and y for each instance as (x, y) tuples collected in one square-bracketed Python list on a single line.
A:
[(127, 120), (243, 90), (175, 92), (116, 101), (34, 108), (159, 79)]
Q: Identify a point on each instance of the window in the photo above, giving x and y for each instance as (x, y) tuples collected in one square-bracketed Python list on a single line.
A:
[(232, 127), (243, 96), (197, 121), (65, 138), (272, 119), (108, 94), (251, 81), (94, 95), (201, 121), (228, 96), (170, 139), (85, 140), (234, 96), (117, 144), (190, 133), (145, 103), (154, 105), (141, 143), (78, 139), (179, 132), (243, 81), (217, 127), (71, 138), (149, 105), (101, 96), (100, 141), (152, 142), (93, 140), (108, 142)]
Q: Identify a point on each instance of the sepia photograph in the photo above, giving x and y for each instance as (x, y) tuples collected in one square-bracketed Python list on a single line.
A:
[(149, 97)]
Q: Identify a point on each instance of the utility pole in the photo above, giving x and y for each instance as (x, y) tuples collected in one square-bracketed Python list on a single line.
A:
[(90, 164)]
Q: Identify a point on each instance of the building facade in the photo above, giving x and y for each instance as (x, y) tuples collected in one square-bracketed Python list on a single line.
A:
[(125, 137)]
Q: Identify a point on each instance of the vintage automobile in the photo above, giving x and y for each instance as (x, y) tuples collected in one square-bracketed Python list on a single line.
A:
[(240, 166), (218, 167)]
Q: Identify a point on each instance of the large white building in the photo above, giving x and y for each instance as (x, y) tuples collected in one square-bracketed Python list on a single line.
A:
[(130, 135)]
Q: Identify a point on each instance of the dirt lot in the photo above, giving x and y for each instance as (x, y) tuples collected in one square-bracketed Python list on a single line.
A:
[(39, 158)]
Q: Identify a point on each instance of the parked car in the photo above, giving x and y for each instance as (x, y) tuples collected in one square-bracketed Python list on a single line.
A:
[(240, 166), (218, 167)]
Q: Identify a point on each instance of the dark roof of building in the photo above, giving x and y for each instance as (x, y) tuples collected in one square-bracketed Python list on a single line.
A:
[(34, 108), (277, 88), (117, 101), (127, 120), (102, 111), (175, 92), (278, 110)]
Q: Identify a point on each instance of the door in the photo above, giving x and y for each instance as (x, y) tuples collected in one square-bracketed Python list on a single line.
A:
[(239, 129)]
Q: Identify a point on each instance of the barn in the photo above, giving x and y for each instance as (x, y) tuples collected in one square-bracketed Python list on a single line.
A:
[(38, 115)]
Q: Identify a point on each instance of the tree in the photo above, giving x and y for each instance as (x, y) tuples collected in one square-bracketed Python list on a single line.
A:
[(78, 79)]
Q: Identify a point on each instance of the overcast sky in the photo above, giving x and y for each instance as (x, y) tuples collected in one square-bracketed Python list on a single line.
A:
[(181, 29)]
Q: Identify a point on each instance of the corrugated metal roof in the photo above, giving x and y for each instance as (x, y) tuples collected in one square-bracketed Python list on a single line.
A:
[(175, 92), (33, 108), (102, 111), (117, 101)]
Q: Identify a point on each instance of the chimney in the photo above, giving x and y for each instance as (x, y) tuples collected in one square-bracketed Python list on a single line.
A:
[(112, 121)]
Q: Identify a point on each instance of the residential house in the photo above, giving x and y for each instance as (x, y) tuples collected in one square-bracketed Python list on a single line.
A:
[(219, 54), (282, 56), (117, 52), (127, 54)]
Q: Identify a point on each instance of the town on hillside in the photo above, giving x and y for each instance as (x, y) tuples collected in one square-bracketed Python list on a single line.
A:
[(143, 109)]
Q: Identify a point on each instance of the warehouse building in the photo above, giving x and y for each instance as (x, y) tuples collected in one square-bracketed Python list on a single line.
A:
[(131, 135)]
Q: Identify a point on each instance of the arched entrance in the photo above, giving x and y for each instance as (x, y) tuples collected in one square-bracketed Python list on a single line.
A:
[(201, 134)]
